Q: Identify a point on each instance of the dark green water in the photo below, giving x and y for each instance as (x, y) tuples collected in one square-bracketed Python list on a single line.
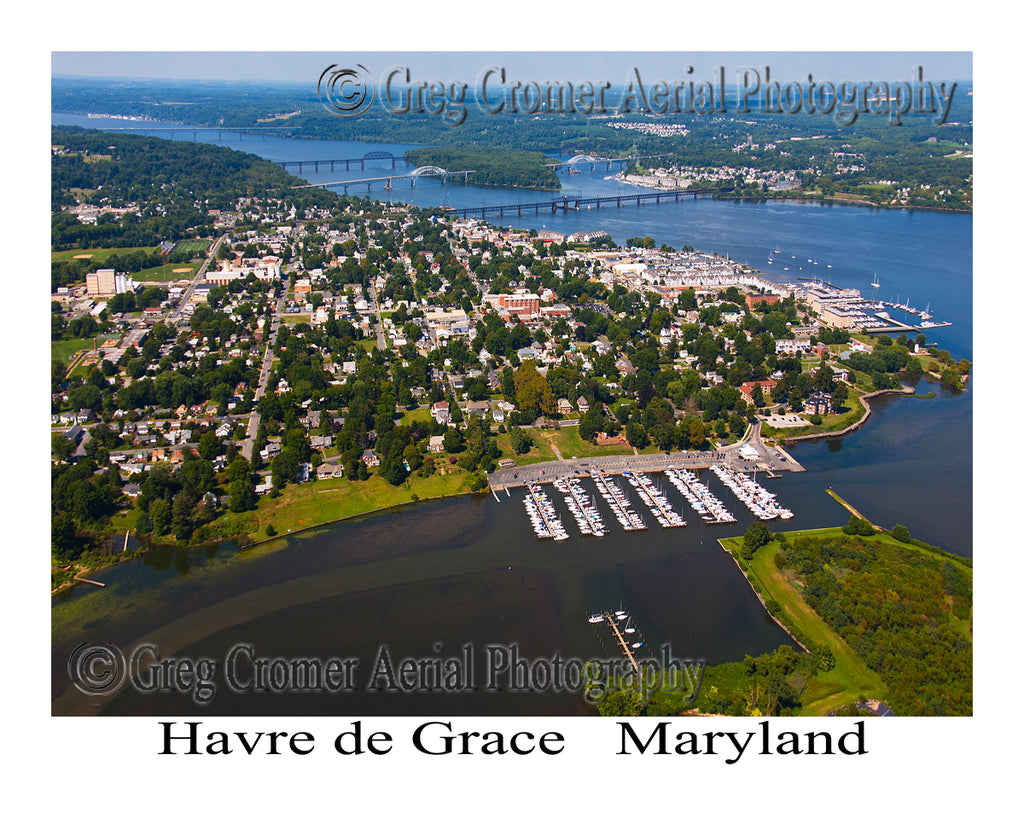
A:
[(455, 571)]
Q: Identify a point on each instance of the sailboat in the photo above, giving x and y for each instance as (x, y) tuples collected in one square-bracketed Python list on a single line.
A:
[(875, 282)]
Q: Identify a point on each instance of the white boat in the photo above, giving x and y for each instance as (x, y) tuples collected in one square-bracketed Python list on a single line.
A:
[(875, 282)]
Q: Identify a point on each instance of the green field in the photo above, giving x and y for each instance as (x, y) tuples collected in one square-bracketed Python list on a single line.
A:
[(539, 452), (197, 247), (165, 273), (64, 351), (421, 414), (97, 254), (569, 443)]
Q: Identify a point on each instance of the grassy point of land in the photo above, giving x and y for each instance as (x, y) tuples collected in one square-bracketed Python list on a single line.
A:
[(826, 690), (314, 504), (851, 678), (833, 422)]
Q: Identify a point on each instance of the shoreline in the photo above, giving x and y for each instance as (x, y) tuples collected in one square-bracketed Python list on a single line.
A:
[(816, 436), (760, 597), (85, 574), (783, 196)]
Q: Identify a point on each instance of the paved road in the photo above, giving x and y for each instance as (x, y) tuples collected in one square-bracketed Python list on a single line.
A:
[(657, 462), (261, 386), (200, 275), (379, 327)]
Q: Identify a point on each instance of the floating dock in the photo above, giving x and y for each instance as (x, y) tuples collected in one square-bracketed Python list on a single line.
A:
[(663, 512)]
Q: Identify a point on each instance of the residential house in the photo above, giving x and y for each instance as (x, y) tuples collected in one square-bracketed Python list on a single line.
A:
[(326, 470), (439, 412)]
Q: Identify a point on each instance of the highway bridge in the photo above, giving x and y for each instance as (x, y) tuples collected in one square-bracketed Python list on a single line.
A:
[(584, 202), (389, 181)]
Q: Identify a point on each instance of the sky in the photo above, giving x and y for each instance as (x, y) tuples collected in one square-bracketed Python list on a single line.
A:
[(303, 66)]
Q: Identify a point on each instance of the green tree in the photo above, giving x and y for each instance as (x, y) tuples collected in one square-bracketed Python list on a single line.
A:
[(901, 533), (756, 536), (520, 439), (453, 440), (64, 542)]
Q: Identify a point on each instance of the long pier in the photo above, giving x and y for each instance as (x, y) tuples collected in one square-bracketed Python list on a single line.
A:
[(567, 203), (626, 650)]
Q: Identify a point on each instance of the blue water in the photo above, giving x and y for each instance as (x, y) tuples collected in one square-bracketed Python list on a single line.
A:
[(921, 256), (910, 463)]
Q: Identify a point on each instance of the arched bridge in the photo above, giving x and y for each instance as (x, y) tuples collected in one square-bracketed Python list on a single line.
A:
[(572, 165), (389, 181), (429, 170)]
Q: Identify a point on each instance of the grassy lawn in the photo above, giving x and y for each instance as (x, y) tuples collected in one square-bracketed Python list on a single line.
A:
[(421, 414), (851, 677), (569, 443), (829, 423), (97, 254), (540, 451), (312, 504)]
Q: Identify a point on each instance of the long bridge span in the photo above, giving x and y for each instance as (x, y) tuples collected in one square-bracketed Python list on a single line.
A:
[(570, 165), (389, 181), (347, 161), (580, 202)]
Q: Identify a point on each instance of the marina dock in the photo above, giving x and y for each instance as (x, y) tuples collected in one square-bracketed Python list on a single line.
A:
[(627, 648), (663, 512), (617, 500), (768, 458)]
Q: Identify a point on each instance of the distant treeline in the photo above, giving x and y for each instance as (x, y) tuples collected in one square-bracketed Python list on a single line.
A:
[(903, 155), (504, 167)]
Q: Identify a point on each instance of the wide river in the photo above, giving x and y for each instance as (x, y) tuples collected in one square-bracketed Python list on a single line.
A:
[(470, 571)]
